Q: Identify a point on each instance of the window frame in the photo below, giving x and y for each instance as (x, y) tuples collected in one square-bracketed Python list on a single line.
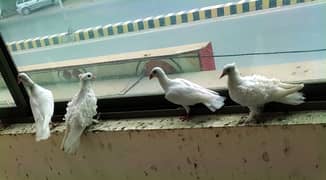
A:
[(116, 108), (9, 73)]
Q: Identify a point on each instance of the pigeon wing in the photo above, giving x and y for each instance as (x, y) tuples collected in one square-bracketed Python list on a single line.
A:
[(195, 86), (42, 105), (88, 109), (79, 115), (184, 92), (259, 90), (74, 130)]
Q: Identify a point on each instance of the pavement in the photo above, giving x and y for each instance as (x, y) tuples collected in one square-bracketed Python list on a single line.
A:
[(298, 27), (88, 13)]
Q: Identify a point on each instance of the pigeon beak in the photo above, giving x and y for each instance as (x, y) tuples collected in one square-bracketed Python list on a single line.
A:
[(150, 76), (222, 75), (94, 77)]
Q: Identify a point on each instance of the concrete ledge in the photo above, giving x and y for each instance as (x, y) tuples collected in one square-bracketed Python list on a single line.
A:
[(223, 10), (207, 121), (166, 148)]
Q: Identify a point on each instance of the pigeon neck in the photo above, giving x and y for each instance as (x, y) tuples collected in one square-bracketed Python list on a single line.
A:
[(234, 77), (29, 84), (30, 89), (85, 88), (85, 85), (164, 81)]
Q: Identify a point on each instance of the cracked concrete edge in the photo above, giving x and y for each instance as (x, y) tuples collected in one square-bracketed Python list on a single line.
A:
[(170, 123)]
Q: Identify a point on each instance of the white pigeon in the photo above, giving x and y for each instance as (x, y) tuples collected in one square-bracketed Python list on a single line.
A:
[(80, 112), (186, 93), (255, 91), (42, 105)]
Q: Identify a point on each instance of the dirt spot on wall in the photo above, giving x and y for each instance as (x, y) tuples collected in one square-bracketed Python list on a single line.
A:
[(153, 168), (188, 160), (195, 165), (109, 146), (244, 160), (265, 157)]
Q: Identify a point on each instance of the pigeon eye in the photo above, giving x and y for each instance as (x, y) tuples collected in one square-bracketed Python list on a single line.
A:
[(154, 72), (89, 76)]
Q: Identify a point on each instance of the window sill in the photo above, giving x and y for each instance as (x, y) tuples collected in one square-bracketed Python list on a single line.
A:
[(199, 121), (167, 148)]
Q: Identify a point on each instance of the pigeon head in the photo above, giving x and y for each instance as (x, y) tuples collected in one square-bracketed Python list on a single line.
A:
[(24, 78), (156, 72), (86, 76), (228, 69)]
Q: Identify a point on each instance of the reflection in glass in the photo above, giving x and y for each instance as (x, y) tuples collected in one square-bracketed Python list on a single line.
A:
[(125, 74), (6, 99), (55, 43)]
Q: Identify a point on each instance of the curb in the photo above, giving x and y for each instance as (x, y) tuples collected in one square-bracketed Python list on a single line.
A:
[(243, 6)]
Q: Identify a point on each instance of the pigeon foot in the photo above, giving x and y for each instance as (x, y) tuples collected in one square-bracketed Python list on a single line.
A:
[(184, 118), (95, 121)]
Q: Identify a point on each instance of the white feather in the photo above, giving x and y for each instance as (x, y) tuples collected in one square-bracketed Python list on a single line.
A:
[(80, 112), (186, 93), (42, 112), (42, 105), (255, 91)]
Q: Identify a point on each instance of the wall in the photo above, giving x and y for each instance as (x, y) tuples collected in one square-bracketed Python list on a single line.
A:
[(8, 6), (291, 146)]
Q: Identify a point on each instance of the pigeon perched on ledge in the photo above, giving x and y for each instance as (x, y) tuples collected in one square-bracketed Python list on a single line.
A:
[(42, 105), (80, 112), (255, 91), (186, 93)]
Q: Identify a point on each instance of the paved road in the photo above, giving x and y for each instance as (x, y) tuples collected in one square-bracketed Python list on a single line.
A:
[(297, 28), (54, 20)]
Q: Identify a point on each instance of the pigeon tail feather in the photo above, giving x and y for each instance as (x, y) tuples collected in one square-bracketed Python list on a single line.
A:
[(72, 140), (289, 86), (216, 103), (286, 92), (72, 147), (293, 99), (42, 130)]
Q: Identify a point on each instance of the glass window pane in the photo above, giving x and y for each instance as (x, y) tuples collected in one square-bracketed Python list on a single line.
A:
[(124, 74), (6, 99), (120, 41)]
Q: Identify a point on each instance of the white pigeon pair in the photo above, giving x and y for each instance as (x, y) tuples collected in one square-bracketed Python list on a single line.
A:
[(80, 110), (251, 91)]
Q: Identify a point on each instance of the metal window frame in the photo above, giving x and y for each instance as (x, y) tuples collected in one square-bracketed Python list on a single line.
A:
[(138, 106), (9, 73)]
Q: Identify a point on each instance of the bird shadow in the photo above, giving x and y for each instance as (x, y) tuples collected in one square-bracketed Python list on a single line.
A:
[(198, 120), (266, 118)]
